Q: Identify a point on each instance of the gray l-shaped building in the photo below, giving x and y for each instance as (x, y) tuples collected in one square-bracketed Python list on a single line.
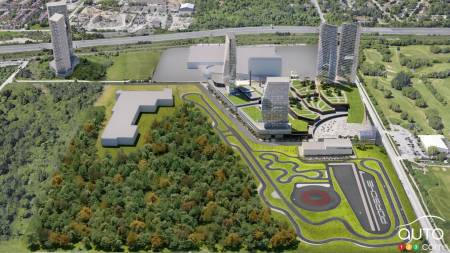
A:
[(122, 128)]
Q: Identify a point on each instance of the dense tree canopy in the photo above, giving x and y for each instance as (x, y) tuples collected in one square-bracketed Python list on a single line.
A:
[(184, 189), (35, 123), (212, 14), (401, 80)]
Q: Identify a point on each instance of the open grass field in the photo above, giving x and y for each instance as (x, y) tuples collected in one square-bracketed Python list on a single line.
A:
[(127, 65), (407, 105), (137, 65), (435, 189)]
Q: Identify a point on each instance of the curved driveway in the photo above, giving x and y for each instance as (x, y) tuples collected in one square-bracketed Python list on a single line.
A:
[(262, 176)]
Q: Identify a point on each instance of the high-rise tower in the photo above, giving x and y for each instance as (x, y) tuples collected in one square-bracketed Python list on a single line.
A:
[(348, 52), (64, 58), (327, 55), (61, 8), (229, 66), (62, 63)]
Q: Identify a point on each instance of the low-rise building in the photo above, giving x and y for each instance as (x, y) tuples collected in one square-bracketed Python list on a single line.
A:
[(122, 128), (437, 141), (186, 9), (327, 147)]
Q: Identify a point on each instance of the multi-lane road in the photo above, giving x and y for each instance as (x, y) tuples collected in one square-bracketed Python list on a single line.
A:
[(218, 32)]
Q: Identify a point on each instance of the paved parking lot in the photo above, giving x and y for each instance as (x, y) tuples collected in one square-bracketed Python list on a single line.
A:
[(407, 144)]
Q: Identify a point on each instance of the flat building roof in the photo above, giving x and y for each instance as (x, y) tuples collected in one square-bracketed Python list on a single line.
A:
[(121, 128)]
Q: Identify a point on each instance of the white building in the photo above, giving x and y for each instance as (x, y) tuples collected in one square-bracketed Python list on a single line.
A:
[(122, 128), (327, 147), (186, 9), (437, 141), (62, 63)]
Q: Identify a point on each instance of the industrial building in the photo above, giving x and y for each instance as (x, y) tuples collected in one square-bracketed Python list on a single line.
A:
[(348, 52), (122, 128), (327, 147), (327, 56), (64, 58), (437, 141), (275, 103)]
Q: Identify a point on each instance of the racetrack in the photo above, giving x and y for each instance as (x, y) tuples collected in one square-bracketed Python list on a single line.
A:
[(292, 212)]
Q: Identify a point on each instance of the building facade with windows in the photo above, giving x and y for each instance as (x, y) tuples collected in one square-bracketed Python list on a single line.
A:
[(348, 52), (327, 53), (275, 103)]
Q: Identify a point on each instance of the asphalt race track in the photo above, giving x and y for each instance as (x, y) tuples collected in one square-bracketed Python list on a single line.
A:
[(357, 189), (262, 175)]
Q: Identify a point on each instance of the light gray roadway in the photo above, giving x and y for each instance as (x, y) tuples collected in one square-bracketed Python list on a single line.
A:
[(218, 32), (425, 223)]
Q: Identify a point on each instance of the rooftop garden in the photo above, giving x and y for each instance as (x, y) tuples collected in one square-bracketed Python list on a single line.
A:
[(254, 112)]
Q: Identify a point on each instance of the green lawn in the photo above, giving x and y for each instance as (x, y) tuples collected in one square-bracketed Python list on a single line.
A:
[(319, 104), (298, 125), (407, 105), (137, 65), (254, 112), (435, 189), (237, 99), (356, 112), (305, 113)]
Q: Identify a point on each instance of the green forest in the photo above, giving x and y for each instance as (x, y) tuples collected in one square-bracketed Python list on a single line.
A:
[(36, 122), (183, 190), (212, 14)]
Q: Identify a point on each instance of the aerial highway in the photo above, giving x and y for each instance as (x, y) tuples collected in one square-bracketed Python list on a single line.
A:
[(218, 32)]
